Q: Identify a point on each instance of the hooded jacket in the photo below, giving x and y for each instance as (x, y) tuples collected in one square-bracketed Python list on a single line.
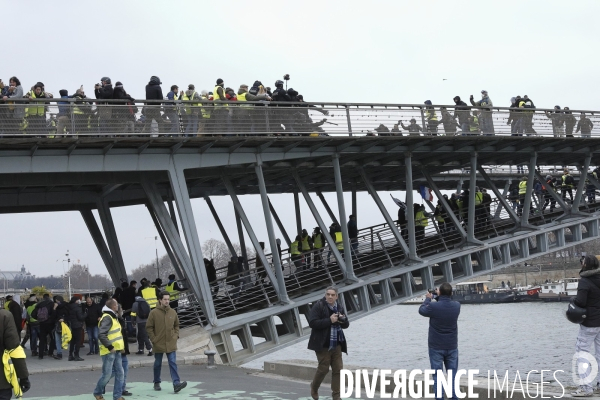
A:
[(76, 314), (588, 296), (105, 326), (163, 329), (104, 92), (153, 89)]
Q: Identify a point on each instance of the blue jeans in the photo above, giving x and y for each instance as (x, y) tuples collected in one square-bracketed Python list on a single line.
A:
[(111, 364), (34, 332), (125, 364), (440, 358), (92, 332), (171, 357), (58, 340)]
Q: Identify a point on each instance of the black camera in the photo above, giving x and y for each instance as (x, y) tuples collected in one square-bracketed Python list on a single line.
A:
[(286, 77), (432, 291)]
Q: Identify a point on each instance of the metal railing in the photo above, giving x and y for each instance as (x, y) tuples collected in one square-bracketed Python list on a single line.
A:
[(90, 117), (375, 249)]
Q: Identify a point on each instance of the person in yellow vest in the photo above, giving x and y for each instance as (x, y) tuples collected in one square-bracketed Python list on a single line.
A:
[(36, 112), (111, 345), (192, 110), (474, 123), (16, 375), (318, 244), (149, 293), (173, 288), (307, 246), (431, 119), (522, 192), (296, 253), (220, 112), (421, 222), (479, 209)]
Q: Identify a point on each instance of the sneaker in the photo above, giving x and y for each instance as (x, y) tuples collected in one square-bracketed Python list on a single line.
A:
[(90, 354), (157, 386), (140, 352), (179, 386), (126, 393), (150, 353), (582, 393), (57, 356)]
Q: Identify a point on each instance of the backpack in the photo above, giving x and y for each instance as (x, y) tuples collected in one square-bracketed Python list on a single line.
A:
[(42, 314), (569, 180), (143, 310)]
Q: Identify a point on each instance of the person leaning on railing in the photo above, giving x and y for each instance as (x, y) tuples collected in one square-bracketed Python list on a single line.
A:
[(15, 111), (104, 90)]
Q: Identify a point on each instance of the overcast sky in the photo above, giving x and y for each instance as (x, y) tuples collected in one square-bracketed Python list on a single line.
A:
[(350, 51)]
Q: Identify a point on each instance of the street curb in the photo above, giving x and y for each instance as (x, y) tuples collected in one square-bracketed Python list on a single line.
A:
[(97, 366)]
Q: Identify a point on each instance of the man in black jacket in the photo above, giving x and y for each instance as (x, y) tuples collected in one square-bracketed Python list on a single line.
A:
[(104, 90), (152, 110), (9, 340), (127, 300), (61, 314), (327, 318), (46, 322), (461, 111), (93, 313), (588, 297), (76, 319)]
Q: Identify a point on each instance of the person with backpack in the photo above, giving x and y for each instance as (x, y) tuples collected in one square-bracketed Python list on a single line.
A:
[(33, 327), (139, 314), (567, 186), (43, 314)]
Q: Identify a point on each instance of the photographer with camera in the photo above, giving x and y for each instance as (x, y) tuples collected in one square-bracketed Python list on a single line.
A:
[(327, 320), (443, 331), (104, 90)]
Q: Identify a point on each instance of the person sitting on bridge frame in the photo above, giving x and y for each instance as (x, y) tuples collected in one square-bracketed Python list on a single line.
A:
[(173, 288)]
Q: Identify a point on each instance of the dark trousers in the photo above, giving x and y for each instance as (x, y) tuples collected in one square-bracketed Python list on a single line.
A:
[(45, 332), (74, 344), (142, 337), (5, 394), (328, 359), (566, 190)]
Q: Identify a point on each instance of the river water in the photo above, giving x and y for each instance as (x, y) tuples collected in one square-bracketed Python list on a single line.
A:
[(501, 337)]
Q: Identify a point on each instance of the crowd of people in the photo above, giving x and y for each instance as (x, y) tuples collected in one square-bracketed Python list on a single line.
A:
[(188, 112), (54, 324)]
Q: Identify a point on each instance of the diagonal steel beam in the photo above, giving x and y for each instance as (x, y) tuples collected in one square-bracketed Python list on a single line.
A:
[(111, 238), (279, 224), (220, 226), (281, 291), (583, 172), (174, 260), (507, 207), (445, 204), (324, 230), (342, 211), (94, 229), (327, 208), (529, 189)]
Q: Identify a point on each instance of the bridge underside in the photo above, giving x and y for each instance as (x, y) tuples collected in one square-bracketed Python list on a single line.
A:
[(266, 304)]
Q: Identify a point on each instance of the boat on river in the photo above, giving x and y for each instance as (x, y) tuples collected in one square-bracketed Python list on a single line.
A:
[(563, 290)]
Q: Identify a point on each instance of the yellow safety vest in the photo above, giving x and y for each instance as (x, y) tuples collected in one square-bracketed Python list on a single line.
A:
[(439, 217), (38, 109), (421, 219), (478, 198), (305, 244), (115, 337), (174, 294), (216, 97), (9, 369), (6, 304), (29, 311), (205, 111), (431, 116), (150, 295), (564, 179), (294, 249), (339, 240), (188, 108), (318, 241), (522, 187), (474, 126), (242, 97)]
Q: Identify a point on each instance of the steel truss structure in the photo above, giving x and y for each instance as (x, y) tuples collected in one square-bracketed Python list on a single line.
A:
[(266, 308)]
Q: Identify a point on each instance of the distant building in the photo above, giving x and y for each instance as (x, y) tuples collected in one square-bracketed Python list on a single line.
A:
[(18, 276)]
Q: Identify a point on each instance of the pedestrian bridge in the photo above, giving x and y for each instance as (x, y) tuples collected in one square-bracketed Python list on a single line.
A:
[(264, 306)]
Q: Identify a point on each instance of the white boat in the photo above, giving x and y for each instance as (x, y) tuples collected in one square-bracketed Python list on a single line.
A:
[(561, 290)]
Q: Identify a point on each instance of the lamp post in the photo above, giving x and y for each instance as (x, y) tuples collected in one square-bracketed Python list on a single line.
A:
[(156, 248), (87, 270)]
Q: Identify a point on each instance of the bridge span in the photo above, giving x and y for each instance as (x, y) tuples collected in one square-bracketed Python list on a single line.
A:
[(265, 307)]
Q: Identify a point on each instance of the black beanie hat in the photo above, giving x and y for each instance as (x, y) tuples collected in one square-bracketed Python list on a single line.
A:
[(63, 92)]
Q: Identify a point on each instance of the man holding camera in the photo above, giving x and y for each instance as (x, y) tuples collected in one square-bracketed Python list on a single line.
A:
[(327, 318), (443, 331)]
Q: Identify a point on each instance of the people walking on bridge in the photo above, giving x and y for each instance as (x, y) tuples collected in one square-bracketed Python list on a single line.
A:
[(570, 121), (441, 217), (163, 331), (548, 199), (448, 122), (529, 110), (16, 376), (590, 191), (139, 314), (318, 243), (522, 195), (36, 111), (585, 125), (443, 333), (152, 110), (353, 233), (296, 253), (474, 123), (558, 121), (567, 185), (16, 111), (461, 112), (124, 111), (306, 247), (431, 118), (421, 222), (173, 288), (413, 128), (328, 319), (515, 117), (111, 346), (172, 110), (220, 111), (485, 104), (588, 297)]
